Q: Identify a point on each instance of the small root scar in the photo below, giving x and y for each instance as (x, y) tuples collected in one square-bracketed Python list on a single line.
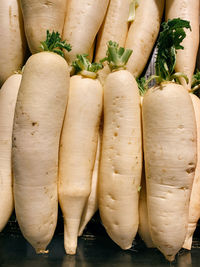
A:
[(190, 170), (34, 123)]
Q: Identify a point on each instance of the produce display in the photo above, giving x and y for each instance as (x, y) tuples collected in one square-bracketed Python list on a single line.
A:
[(83, 127)]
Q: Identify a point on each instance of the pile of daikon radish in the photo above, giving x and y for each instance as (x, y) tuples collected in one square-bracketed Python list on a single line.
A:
[(79, 141)]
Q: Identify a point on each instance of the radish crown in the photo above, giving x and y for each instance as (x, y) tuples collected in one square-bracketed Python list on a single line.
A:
[(195, 81), (84, 67), (168, 43), (141, 85), (54, 44), (117, 57), (132, 9)]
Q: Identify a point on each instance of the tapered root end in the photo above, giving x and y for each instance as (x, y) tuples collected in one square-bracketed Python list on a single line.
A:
[(41, 251), (188, 243), (170, 257), (122, 243), (71, 236), (70, 250)]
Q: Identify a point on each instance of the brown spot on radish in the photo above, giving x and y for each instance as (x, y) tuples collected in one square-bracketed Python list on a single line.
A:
[(163, 170), (115, 134), (129, 143), (190, 170), (116, 172), (182, 188), (34, 123), (111, 197), (47, 3)]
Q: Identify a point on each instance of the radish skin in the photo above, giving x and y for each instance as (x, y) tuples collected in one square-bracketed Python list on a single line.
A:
[(194, 210), (40, 16), (143, 228), (13, 44), (77, 153), (186, 59), (121, 158), (91, 205), (114, 27), (169, 134), (39, 114), (8, 98), (87, 15), (142, 34)]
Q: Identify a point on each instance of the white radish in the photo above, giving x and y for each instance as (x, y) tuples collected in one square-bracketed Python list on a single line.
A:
[(91, 205), (13, 44), (114, 27), (83, 20), (186, 58), (169, 131), (169, 137), (194, 207), (78, 149), (8, 98), (143, 33), (40, 15), (143, 228), (121, 155), (39, 114)]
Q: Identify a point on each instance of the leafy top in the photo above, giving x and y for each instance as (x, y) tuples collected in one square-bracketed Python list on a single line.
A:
[(54, 44), (117, 57), (169, 41), (141, 85), (195, 81), (83, 66)]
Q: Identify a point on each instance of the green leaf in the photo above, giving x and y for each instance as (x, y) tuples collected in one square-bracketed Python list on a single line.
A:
[(82, 63), (54, 44), (141, 85), (116, 56), (169, 42), (195, 81)]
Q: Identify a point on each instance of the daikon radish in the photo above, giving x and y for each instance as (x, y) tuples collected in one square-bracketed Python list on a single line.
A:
[(169, 136), (114, 27), (40, 15), (13, 44), (78, 147), (121, 155), (143, 33), (194, 207), (8, 98), (186, 59), (82, 23), (39, 114), (91, 205), (143, 228)]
